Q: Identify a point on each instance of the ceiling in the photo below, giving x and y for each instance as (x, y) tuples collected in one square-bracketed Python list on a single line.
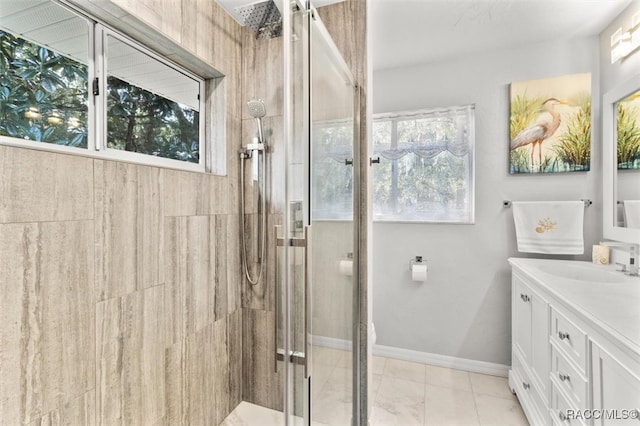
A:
[(411, 32)]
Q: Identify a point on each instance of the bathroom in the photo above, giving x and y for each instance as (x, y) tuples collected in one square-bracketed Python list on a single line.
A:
[(122, 293)]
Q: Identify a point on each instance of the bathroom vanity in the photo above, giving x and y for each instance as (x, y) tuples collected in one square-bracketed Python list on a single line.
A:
[(575, 343)]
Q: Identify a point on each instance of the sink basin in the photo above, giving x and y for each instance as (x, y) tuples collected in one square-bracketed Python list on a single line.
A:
[(582, 271)]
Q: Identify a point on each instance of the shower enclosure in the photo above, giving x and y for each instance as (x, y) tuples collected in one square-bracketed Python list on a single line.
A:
[(317, 290)]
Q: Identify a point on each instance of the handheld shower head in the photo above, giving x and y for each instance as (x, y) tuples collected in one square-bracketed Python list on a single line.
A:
[(257, 110)]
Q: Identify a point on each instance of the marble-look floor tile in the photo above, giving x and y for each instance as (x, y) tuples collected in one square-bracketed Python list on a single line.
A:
[(333, 404), (494, 411), (378, 364), (448, 377), (491, 385), (449, 407), (329, 356), (374, 385), (404, 370), (319, 375), (399, 402), (247, 414)]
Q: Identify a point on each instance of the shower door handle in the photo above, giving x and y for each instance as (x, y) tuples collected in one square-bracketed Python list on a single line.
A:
[(307, 300), (279, 352), (297, 357)]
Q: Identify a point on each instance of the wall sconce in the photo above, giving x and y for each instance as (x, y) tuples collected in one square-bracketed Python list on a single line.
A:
[(625, 43)]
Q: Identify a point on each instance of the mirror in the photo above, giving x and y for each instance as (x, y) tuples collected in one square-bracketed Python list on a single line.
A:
[(621, 143)]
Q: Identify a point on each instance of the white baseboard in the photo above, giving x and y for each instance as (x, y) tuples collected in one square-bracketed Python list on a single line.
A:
[(420, 357), (442, 360), (331, 342)]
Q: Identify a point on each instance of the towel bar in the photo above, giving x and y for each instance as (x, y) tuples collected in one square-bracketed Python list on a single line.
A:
[(507, 203)]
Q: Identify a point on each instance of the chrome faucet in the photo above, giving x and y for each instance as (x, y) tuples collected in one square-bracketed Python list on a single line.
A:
[(634, 255)]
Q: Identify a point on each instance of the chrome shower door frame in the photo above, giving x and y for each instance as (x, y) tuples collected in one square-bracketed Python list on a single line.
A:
[(296, 285)]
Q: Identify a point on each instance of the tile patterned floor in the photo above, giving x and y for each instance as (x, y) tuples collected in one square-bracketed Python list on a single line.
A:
[(405, 394)]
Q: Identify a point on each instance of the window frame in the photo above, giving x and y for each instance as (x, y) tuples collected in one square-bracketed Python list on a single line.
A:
[(471, 179), (97, 32)]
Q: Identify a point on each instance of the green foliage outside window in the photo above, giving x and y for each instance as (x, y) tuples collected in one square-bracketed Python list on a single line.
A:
[(43, 95), (141, 121)]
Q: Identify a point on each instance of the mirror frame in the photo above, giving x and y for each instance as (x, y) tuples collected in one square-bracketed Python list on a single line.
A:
[(610, 161)]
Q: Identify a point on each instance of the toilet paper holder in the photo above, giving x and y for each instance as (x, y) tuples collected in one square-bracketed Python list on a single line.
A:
[(416, 260)]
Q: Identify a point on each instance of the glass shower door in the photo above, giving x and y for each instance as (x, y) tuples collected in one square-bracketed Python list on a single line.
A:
[(321, 284)]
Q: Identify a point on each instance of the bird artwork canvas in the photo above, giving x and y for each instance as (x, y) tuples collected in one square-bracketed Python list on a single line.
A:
[(550, 125)]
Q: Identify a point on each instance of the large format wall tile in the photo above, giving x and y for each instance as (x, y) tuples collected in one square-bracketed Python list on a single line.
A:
[(194, 194), (128, 227), (190, 270), (80, 411), (41, 186), (203, 374), (47, 308), (131, 341), (261, 385)]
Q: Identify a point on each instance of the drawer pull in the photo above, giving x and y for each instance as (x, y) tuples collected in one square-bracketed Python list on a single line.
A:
[(563, 336), (526, 386), (563, 377), (524, 297)]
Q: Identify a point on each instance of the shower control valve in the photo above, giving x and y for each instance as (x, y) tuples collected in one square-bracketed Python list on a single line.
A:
[(255, 147)]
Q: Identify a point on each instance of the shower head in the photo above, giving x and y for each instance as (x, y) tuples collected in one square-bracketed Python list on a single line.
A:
[(263, 17), (257, 110)]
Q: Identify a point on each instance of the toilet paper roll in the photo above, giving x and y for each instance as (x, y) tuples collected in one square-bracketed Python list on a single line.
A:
[(346, 267), (419, 272), (600, 255)]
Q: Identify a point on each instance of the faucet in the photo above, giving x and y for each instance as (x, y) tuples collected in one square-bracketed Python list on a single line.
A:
[(634, 255)]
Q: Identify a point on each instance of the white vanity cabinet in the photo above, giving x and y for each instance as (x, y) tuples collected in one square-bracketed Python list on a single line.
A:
[(530, 359), (615, 384), (575, 353)]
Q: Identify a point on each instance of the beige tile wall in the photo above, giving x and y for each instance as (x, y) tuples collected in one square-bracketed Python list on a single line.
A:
[(128, 317), (120, 289), (120, 284)]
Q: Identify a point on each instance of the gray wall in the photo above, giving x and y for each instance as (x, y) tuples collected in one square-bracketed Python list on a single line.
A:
[(463, 310)]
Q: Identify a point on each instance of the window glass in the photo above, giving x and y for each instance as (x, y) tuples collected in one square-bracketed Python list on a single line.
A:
[(333, 188), (151, 108), (426, 166), (43, 74)]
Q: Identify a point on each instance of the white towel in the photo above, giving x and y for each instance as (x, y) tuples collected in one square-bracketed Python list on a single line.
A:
[(551, 227), (631, 213)]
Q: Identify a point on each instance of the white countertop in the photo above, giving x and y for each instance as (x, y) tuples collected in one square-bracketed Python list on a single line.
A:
[(607, 298)]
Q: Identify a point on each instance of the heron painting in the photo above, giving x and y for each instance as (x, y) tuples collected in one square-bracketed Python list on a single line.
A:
[(550, 125)]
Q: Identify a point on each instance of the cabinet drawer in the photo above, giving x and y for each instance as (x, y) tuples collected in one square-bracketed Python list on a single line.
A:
[(570, 339), (566, 377), (561, 409), (533, 403)]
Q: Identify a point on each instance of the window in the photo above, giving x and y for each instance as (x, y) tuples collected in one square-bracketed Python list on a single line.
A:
[(426, 166), (146, 109), (332, 192)]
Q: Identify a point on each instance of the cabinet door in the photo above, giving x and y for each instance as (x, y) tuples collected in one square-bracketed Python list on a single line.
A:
[(521, 319), (616, 387), (540, 358)]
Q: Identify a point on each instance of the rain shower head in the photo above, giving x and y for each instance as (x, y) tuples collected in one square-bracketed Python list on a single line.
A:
[(257, 110), (263, 17)]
